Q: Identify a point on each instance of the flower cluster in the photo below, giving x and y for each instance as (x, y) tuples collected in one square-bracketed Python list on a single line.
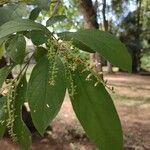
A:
[(10, 109)]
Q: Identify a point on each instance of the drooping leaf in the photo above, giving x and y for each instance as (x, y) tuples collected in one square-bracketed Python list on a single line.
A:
[(16, 49), (12, 11), (106, 44), (35, 13), (2, 116), (96, 112), (75, 42), (55, 19), (20, 130), (39, 53), (3, 74), (38, 37), (44, 99), (82, 46), (21, 25)]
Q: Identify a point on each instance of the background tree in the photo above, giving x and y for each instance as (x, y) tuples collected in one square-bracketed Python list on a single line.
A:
[(90, 21), (133, 33)]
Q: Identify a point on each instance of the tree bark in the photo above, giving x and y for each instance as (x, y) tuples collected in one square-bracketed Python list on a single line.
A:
[(90, 21), (105, 23), (136, 53)]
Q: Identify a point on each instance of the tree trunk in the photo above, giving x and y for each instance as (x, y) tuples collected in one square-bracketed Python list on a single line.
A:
[(105, 23), (136, 54), (137, 49), (90, 21), (109, 67)]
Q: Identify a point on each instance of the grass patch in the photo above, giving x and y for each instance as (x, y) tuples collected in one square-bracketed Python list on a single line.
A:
[(123, 99)]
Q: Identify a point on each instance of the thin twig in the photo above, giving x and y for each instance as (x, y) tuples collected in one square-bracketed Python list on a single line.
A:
[(26, 65), (56, 8)]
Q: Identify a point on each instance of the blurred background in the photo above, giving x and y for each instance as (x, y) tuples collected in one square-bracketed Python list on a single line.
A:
[(129, 21)]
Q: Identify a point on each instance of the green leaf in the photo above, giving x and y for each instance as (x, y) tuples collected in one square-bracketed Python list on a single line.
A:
[(2, 40), (44, 99), (35, 13), (55, 19), (16, 49), (3, 74), (96, 112), (82, 46), (106, 44), (2, 48), (65, 36), (20, 130), (2, 116), (21, 25), (38, 37), (39, 53), (43, 4), (12, 11)]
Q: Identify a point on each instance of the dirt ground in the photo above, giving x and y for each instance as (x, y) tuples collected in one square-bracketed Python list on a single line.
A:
[(132, 100)]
